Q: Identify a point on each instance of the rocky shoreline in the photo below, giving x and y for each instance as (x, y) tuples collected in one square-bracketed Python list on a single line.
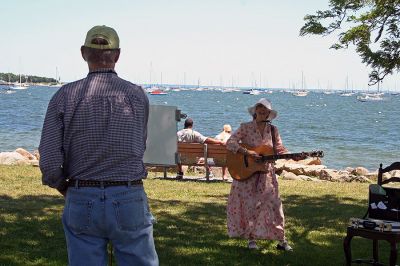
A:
[(20, 157), (306, 170), (314, 170)]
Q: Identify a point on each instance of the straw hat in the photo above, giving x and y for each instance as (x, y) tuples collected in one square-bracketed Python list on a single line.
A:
[(272, 115)]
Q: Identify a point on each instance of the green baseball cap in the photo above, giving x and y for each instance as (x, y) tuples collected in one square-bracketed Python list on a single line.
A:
[(102, 37)]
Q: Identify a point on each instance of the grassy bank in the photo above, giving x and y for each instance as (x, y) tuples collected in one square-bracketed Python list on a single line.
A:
[(190, 227)]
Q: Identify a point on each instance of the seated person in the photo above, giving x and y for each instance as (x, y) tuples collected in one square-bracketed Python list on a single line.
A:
[(188, 135), (224, 136)]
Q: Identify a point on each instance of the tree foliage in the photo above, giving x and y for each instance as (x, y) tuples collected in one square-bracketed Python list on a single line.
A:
[(13, 78), (372, 26)]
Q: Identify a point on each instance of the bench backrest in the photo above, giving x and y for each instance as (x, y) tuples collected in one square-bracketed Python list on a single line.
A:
[(189, 153)]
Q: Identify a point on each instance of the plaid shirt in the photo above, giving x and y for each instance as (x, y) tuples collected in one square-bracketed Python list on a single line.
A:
[(95, 129)]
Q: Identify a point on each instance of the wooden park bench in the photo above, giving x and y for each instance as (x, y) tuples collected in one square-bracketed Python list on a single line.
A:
[(190, 154)]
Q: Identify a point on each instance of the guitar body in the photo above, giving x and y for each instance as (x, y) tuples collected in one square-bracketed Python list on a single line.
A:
[(242, 167)]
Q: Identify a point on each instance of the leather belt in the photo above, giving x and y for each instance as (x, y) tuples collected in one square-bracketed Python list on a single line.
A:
[(96, 183)]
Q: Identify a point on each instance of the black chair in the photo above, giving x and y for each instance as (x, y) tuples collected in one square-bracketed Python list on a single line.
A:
[(391, 198)]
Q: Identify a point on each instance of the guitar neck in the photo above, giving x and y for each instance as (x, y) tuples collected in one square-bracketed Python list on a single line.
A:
[(282, 156)]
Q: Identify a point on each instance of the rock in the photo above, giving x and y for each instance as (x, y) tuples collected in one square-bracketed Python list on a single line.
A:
[(300, 169), (395, 173), (26, 154), (36, 154), (185, 168), (308, 161), (13, 158), (331, 175), (372, 176), (289, 176), (313, 170), (309, 178), (34, 163), (349, 169), (386, 175), (361, 179), (279, 165), (198, 169), (345, 176), (311, 161), (304, 177), (360, 171), (295, 168)]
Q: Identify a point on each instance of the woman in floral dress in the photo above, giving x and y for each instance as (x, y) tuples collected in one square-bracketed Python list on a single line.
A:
[(254, 208)]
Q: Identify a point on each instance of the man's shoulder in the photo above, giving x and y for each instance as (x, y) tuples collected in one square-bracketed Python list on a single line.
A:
[(71, 87), (72, 84), (184, 131), (130, 83), (194, 132), (134, 88), (199, 135), (64, 89)]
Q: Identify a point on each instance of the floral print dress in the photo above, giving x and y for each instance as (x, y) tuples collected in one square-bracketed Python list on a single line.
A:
[(254, 208)]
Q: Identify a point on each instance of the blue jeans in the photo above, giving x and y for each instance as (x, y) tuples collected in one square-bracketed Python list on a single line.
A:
[(95, 216)]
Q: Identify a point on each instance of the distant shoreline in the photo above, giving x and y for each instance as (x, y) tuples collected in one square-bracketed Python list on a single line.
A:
[(196, 87), (28, 84)]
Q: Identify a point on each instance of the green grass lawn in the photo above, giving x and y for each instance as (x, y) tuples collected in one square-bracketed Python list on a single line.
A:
[(191, 223)]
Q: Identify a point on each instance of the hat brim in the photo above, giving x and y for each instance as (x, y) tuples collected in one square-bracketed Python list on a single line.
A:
[(272, 113)]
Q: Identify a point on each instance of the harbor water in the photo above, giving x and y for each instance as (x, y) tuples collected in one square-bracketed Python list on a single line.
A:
[(350, 132)]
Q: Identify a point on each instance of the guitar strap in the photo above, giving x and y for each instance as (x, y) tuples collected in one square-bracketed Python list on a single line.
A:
[(273, 138)]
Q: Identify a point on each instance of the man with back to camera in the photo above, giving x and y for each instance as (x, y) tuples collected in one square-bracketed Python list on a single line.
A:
[(92, 145)]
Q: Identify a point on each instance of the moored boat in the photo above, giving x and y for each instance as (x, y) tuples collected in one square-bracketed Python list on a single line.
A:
[(158, 92), (370, 97), (301, 93)]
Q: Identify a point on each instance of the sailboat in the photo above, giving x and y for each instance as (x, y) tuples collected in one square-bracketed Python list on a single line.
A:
[(367, 97), (20, 86), (254, 92), (302, 92), (395, 92), (347, 93), (251, 92), (58, 83), (375, 96)]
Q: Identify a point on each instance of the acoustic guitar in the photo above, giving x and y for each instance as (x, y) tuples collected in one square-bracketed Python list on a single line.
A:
[(241, 166)]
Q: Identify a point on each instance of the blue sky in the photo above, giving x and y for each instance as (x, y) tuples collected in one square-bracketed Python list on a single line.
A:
[(214, 42)]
